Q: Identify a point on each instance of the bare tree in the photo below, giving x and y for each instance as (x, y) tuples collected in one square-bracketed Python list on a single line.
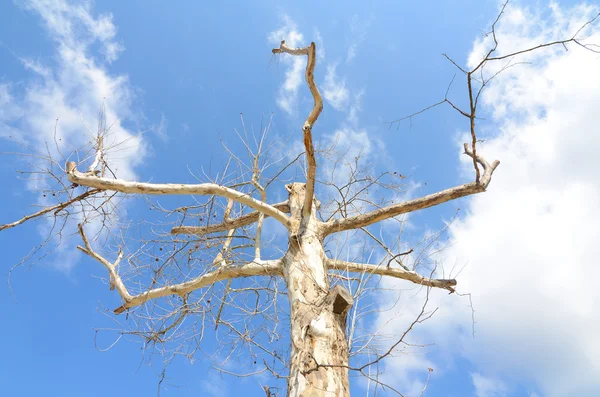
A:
[(210, 269)]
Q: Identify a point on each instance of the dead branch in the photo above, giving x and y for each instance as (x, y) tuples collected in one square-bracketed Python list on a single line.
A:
[(255, 268), (56, 208), (430, 200), (310, 51), (336, 264), (115, 279), (393, 257), (235, 223), (261, 268), (119, 185)]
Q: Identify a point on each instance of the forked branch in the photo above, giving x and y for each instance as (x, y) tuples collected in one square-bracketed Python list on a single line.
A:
[(115, 279), (254, 268), (362, 220), (311, 172)]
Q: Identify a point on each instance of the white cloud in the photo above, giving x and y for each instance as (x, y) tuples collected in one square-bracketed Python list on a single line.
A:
[(320, 45), (8, 112), (356, 107), (334, 89), (72, 25), (531, 241), (352, 143), (162, 127), (72, 89), (216, 387), (75, 88), (287, 97), (488, 387), (358, 29)]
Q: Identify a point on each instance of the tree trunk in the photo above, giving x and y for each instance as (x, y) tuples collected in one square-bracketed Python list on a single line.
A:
[(319, 354)]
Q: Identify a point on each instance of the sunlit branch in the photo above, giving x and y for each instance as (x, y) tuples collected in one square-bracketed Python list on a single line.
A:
[(310, 51), (263, 198), (119, 185), (115, 279), (336, 264), (254, 268), (99, 153), (228, 224), (261, 268), (430, 200)]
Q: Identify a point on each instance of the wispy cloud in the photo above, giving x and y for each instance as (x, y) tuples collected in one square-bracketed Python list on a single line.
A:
[(334, 89), (356, 107), (162, 127), (488, 387), (75, 86), (74, 26), (287, 97), (320, 45), (358, 28)]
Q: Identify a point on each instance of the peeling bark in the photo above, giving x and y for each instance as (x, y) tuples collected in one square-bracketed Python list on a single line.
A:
[(318, 314)]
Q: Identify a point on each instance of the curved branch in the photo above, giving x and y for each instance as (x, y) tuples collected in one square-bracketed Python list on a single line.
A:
[(310, 51), (430, 200), (336, 264), (228, 224), (115, 279), (119, 185), (256, 268)]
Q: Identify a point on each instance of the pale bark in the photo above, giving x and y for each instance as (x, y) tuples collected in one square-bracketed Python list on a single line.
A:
[(99, 153), (255, 268), (119, 185), (336, 264), (115, 279), (319, 355)]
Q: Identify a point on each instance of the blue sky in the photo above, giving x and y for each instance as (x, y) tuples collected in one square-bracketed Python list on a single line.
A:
[(184, 72)]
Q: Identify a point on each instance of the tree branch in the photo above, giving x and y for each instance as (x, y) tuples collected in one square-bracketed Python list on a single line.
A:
[(56, 208), (430, 200), (262, 268), (336, 264), (255, 268), (228, 224), (263, 197), (99, 152), (310, 51), (115, 279), (119, 185)]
